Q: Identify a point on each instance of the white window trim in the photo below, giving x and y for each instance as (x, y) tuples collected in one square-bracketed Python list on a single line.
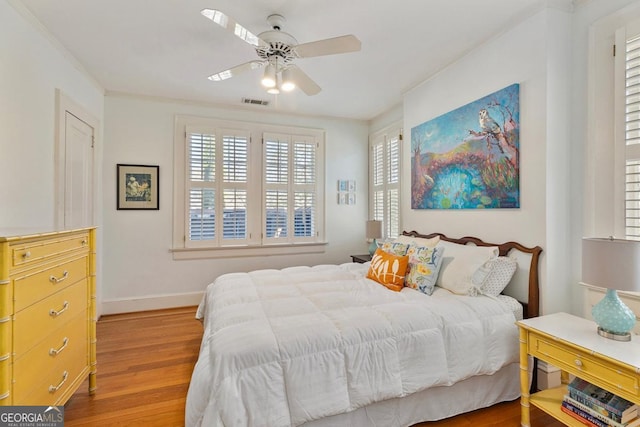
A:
[(254, 246)]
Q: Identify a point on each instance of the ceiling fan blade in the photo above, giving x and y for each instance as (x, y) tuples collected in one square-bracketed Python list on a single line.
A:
[(342, 44), (232, 72), (303, 81), (231, 25)]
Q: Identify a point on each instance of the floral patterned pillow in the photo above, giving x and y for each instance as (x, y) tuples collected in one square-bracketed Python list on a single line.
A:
[(424, 266), (393, 247), (388, 270)]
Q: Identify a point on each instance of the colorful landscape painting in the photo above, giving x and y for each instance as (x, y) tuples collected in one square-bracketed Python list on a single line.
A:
[(468, 158)]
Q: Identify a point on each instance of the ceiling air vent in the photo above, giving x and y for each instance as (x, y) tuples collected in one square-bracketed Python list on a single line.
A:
[(255, 101)]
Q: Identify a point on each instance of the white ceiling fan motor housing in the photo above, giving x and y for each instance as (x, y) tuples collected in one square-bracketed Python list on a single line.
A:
[(281, 44)]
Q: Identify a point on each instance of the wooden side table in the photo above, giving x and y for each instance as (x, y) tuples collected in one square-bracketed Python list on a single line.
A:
[(572, 344), (361, 258)]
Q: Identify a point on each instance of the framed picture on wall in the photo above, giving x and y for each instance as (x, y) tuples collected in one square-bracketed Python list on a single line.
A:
[(138, 187), (469, 158)]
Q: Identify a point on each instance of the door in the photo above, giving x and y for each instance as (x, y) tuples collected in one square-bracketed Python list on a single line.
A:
[(75, 194), (78, 171)]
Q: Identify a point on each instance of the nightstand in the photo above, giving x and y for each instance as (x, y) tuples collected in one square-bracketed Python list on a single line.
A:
[(361, 258), (572, 344)]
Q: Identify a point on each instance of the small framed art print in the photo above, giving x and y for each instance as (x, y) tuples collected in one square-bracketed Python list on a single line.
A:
[(138, 187)]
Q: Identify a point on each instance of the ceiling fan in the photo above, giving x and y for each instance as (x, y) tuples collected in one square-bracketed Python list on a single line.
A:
[(277, 51)]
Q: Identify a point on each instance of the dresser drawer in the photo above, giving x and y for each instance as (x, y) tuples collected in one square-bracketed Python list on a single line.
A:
[(65, 347), (33, 324), (30, 252), (55, 384), (39, 284), (584, 364)]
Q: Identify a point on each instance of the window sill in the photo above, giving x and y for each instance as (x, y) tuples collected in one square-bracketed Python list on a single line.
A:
[(248, 251)]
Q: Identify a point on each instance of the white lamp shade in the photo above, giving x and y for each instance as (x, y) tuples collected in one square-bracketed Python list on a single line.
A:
[(374, 229), (611, 263), (287, 80), (269, 78)]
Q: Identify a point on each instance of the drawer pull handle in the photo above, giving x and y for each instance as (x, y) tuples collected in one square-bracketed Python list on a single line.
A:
[(578, 363), (54, 388), (55, 352), (84, 242), (26, 255), (54, 279), (64, 308)]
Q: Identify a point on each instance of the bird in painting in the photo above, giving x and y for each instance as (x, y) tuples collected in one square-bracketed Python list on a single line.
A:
[(487, 124)]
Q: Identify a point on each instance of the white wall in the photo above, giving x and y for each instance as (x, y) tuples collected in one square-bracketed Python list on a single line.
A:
[(31, 69), (139, 270), (392, 115), (517, 56), (548, 54)]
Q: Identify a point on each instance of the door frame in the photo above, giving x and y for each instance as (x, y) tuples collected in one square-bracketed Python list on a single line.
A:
[(65, 104)]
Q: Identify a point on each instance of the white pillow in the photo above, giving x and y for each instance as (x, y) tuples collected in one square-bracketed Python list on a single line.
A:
[(459, 264), (494, 275), (418, 241)]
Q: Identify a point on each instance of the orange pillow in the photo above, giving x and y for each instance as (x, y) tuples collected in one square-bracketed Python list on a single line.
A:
[(388, 269)]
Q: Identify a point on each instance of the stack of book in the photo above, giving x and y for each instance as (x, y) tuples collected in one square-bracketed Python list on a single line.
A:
[(597, 407)]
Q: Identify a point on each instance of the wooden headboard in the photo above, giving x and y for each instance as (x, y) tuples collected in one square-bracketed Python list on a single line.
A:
[(526, 276)]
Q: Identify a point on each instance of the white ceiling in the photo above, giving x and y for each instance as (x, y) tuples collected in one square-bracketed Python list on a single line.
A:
[(166, 48)]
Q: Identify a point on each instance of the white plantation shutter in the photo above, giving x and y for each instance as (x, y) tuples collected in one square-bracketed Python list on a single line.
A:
[(392, 218), (377, 177), (632, 136), (632, 199), (276, 179), (202, 220), (290, 188), (201, 167), (237, 197), (384, 180), (304, 187), (235, 149), (217, 161)]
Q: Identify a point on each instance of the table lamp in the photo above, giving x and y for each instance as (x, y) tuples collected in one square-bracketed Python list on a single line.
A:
[(613, 264), (374, 231)]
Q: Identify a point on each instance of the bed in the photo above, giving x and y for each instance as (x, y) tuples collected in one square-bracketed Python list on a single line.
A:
[(328, 346)]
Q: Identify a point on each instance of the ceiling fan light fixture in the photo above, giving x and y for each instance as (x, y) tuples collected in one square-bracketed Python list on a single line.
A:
[(277, 51), (269, 77), (287, 81), (275, 90)]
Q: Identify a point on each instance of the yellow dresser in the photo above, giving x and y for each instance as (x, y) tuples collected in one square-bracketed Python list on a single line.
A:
[(47, 315)]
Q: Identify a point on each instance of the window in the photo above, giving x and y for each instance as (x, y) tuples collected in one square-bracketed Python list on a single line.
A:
[(385, 159), (217, 162), (246, 186), (290, 187), (629, 115)]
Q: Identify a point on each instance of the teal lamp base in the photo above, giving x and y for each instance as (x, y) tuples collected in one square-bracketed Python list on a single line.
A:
[(372, 247), (615, 320)]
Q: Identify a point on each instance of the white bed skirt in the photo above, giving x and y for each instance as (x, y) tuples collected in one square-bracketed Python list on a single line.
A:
[(434, 403), (428, 405)]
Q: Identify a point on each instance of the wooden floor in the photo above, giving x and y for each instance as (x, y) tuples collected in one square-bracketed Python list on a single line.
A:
[(145, 362)]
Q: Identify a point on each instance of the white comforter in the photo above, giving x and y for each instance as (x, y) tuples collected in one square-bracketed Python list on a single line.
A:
[(283, 347)]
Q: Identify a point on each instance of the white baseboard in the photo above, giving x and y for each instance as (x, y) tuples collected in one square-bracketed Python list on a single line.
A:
[(156, 302)]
